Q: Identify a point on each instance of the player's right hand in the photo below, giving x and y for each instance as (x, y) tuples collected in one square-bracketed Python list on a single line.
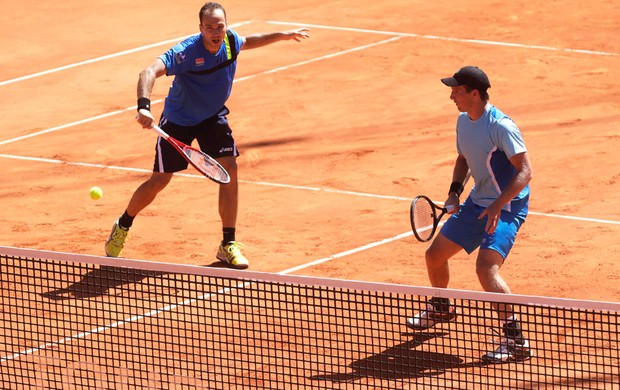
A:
[(145, 118), (453, 200)]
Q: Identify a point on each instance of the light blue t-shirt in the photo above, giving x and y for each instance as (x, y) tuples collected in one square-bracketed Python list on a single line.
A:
[(487, 144), (192, 98)]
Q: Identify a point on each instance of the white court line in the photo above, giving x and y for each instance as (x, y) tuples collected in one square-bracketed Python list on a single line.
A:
[(133, 108), (347, 253), (281, 185), (186, 302), (117, 324), (76, 123), (316, 262), (327, 56), (436, 37), (349, 29), (106, 57), (190, 301)]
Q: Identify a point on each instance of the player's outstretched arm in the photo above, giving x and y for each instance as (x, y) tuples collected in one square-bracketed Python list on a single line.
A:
[(257, 40), (146, 81)]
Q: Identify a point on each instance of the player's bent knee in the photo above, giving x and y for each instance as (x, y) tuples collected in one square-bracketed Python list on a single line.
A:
[(229, 163), (158, 181), (434, 259)]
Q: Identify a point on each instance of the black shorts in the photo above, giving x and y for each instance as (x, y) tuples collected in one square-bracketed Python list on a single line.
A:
[(214, 137)]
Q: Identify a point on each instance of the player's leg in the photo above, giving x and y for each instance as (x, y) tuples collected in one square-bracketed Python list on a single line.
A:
[(142, 197), (229, 250), (513, 345), (215, 138), (167, 161), (488, 264), (437, 310), (461, 231), (147, 191), (228, 202), (437, 258)]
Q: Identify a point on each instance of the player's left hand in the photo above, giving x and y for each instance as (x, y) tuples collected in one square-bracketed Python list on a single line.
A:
[(297, 34), (493, 213)]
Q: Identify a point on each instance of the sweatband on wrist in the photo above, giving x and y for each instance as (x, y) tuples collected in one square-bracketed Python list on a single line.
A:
[(144, 104), (457, 188)]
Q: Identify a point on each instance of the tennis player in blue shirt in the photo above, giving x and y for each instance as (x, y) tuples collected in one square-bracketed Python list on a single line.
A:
[(204, 68), (490, 148)]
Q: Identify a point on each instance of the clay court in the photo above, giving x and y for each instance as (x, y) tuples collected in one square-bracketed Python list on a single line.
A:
[(337, 134)]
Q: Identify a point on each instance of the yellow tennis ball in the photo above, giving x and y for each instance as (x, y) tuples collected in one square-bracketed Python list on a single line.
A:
[(96, 193)]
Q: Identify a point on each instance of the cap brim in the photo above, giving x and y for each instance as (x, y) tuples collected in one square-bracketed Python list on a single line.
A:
[(450, 82)]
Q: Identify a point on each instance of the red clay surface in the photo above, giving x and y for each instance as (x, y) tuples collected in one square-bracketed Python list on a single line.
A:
[(375, 121), (330, 125)]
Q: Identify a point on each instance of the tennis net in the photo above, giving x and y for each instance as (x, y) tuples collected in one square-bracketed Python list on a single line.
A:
[(78, 322)]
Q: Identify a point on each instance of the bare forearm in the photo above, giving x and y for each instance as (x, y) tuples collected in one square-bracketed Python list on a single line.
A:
[(521, 179), (258, 40), (147, 77), (516, 185), (460, 174), (146, 81), (461, 171)]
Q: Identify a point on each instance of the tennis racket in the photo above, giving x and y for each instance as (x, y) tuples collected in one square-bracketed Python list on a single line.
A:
[(204, 163), (425, 216)]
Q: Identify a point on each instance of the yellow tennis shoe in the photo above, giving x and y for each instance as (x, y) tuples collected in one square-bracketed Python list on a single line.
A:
[(230, 253), (114, 244)]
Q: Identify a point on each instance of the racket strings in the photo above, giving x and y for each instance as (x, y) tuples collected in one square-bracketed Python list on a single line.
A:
[(208, 165), (423, 219)]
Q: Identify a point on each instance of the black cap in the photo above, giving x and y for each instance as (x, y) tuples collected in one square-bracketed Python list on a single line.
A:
[(471, 76)]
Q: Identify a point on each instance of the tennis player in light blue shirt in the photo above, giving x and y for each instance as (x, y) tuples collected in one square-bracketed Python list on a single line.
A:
[(491, 149), (488, 144)]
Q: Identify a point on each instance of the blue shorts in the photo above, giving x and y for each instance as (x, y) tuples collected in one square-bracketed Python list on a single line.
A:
[(214, 136), (465, 229)]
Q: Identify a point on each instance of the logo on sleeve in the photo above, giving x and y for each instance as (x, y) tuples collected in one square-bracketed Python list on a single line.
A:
[(180, 57)]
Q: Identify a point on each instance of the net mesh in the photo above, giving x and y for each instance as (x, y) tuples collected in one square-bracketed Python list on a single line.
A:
[(75, 322)]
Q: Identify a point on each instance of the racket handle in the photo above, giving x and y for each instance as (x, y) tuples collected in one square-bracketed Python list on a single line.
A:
[(449, 208), (160, 132)]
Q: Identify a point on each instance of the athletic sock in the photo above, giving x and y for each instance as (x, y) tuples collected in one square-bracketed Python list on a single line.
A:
[(126, 220), (228, 235)]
